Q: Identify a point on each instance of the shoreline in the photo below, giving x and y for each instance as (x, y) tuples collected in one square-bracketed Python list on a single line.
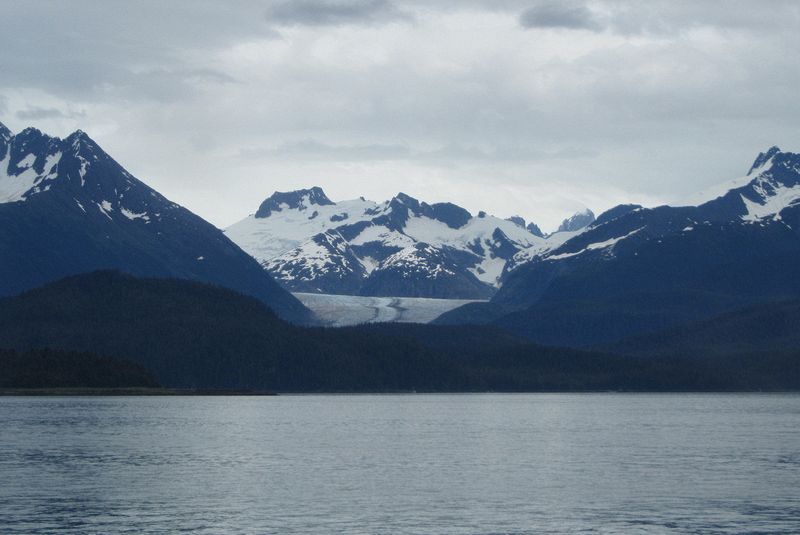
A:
[(87, 391), (177, 392)]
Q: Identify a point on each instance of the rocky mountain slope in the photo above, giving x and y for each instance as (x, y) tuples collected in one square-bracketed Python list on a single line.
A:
[(67, 207)]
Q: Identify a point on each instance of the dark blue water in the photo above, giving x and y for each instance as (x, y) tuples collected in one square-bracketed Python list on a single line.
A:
[(471, 464)]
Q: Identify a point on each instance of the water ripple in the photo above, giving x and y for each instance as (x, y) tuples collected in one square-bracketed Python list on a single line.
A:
[(460, 465)]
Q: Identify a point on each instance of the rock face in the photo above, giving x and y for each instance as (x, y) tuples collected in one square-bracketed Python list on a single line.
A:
[(67, 207), (577, 221), (401, 248), (636, 270)]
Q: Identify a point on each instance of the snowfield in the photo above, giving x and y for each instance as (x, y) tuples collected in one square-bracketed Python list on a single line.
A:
[(344, 310), (310, 243)]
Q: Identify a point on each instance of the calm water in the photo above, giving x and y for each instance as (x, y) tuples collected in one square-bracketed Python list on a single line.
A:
[(479, 464)]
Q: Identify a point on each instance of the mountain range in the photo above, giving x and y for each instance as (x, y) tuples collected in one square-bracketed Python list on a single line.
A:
[(401, 247), (636, 270), (67, 207)]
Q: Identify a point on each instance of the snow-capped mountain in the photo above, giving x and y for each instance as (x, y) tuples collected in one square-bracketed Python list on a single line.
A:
[(635, 269), (771, 186), (401, 247), (67, 207)]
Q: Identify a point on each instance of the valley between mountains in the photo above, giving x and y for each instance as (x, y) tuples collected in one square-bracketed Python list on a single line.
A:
[(605, 287)]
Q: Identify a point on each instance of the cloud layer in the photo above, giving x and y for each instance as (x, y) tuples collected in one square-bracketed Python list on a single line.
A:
[(559, 14), (529, 107), (334, 12)]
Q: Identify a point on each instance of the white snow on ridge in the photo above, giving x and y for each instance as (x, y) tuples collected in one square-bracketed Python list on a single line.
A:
[(594, 246), (17, 187), (553, 241), (772, 205), (437, 233), (774, 196), (267, 238), (719, 190), (279, 239), (344, 310)]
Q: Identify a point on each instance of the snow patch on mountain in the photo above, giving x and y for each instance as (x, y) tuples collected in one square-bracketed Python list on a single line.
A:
[(384, 236), (421, 259), (130, 214), (772, 204), (490, 269), (553, 242), (19, 181), (320, 254), (595, 246), (285, 228)]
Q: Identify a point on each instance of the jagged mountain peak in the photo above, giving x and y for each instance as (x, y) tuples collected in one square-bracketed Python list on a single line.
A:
[(517, 220), (534, 229), (531, 227), (403, 200), (80, 170), (577, 221), (774, 166), (762, 159), (297, 199), (450, 214), (66, 207), (31, 140), (79, 138), (30, 131), (28, 164), (5, 133)]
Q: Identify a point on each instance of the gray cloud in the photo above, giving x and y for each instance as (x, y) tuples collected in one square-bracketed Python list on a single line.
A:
[(312, 149), (661, 17), (560, 14), (206, 101), (113, 49), (34, 113), (335, 12)]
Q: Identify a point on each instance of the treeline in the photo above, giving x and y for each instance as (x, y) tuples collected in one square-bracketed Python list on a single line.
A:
[(192, 335), (47, 368)]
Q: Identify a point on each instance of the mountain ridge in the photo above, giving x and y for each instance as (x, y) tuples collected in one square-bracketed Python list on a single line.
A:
[(67, 207), (636, 270), (402, 247)]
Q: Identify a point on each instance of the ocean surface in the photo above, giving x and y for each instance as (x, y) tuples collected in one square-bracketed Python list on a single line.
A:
[(426, 464)]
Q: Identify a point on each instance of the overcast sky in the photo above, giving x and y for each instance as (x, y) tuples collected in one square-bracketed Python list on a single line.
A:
[(535, 108)]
